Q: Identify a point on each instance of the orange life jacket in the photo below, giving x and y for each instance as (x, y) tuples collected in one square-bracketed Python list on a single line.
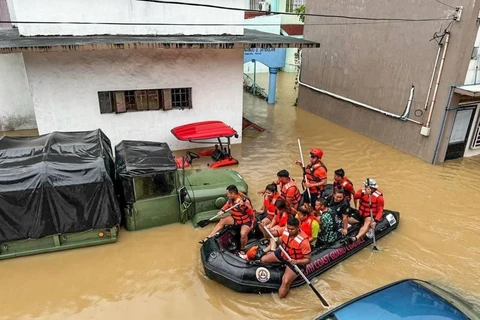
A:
[(344, 184), (241, 214), (306, 225), (311, 178), (296, 198), (293, 245), (282, 218), (269, 204), (364, 207)]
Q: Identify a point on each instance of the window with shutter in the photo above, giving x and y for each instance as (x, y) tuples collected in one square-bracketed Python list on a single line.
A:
[(120, 105), (105, 100), (141, 101), (145, 100)]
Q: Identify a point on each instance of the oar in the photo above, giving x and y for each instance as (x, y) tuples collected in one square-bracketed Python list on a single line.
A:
[(303, 167), (373, 230), (204, 223), (324, 302)]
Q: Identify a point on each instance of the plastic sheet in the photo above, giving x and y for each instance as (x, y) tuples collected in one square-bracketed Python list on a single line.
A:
[(140, 158), (62, 182)]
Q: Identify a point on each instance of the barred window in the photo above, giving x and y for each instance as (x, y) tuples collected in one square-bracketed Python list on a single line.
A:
[(144, 100)]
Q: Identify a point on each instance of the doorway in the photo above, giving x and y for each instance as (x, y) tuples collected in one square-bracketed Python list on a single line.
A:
[(459, 136)]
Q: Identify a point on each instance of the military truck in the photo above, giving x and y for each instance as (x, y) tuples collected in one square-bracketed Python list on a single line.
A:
[(154, 192), (57, 192)]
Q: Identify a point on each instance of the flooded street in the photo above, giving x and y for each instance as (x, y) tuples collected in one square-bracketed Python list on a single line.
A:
[(157, 273)]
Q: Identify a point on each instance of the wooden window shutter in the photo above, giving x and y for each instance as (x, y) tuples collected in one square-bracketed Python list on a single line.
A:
[(119, 98), (153, 100), (141, 100), (167, 99), (105, 100)]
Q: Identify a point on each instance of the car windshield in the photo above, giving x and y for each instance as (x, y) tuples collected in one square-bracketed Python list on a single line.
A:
[(410, 300)]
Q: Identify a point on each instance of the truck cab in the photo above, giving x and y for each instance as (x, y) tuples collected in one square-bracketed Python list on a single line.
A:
[(154, 192)]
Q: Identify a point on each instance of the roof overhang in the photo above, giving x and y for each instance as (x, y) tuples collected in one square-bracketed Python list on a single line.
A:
[(12, 42), (469, 90)]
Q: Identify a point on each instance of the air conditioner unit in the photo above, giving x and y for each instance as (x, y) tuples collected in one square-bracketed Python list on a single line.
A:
[(264, 6)]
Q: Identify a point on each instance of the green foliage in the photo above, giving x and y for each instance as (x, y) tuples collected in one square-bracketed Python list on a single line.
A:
[(300, 11)]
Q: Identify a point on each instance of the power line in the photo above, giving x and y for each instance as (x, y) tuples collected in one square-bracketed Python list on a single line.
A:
[(288, 13), (208, 24), (445, 4)]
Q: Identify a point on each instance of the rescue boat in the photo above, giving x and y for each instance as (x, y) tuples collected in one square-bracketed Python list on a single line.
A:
[(222, 264)]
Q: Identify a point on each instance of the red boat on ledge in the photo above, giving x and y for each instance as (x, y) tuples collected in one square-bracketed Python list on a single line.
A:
[(199, 132)]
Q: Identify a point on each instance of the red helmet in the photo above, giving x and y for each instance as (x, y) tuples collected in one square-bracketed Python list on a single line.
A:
[(317, 153), (252, 252)]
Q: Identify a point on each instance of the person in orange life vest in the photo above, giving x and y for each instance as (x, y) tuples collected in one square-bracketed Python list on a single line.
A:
[(282, 213), (316, 174), (288, 189), (242, 216), (308, 224), (341, 207), (295, 242), (341, 181), (270, 197), (370, 198)]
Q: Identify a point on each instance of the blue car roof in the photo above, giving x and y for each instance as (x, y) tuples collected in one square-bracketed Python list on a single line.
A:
[(407, 299)]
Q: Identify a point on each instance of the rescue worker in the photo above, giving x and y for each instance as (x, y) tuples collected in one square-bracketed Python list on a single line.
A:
[(270, 197), (288, 189), (370, 202), (328, 226), (242, 216), (341, 207), (341, 181), (315, 174), (308, 224), (295, 242), (282, 213)]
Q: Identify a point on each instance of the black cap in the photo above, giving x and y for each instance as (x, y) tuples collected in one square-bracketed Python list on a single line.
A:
[(283, 173)]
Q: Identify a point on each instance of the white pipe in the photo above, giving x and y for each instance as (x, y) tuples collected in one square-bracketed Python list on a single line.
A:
[(409, 104), (433, 76), (440, 69), (358, 103)]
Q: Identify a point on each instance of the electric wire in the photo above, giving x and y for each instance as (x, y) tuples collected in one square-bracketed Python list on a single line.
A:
[(445, 4), (288, 13)]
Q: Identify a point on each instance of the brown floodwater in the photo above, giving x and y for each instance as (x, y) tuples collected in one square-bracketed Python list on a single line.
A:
[(157, 273)]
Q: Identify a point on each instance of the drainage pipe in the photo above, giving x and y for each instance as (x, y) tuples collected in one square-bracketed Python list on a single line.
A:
[(440, 69), (433, 76), (443, 123), (354, 102)]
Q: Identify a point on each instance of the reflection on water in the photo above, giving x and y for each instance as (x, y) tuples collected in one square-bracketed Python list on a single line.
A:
[(157, 273)]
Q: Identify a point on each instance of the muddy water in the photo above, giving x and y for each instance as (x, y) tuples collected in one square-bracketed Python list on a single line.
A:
[(157, 274)]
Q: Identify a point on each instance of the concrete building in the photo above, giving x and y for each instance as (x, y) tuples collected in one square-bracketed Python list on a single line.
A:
[(399, 82), (140, 77)]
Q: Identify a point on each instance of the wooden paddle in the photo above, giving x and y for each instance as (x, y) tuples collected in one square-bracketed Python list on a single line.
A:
[(322, 299), (204, 223), (373, 230)]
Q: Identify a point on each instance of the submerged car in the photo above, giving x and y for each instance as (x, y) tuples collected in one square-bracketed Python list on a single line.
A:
[(405, 299)]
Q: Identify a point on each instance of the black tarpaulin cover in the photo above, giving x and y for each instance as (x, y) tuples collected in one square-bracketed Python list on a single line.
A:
[(141, 158), (56, 183)]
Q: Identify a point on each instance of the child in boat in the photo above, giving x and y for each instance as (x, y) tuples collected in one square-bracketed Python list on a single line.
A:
[(270, 197)]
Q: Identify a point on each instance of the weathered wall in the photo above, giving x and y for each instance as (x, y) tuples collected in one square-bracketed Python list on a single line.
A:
[(16, 106), (64, 88), (377, 63), (126, 11)]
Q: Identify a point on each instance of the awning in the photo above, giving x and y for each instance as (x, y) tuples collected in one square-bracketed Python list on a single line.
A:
[(12, 42), (469, 90)]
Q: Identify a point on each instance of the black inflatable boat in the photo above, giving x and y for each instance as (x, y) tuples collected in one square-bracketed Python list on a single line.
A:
[(221, 263)]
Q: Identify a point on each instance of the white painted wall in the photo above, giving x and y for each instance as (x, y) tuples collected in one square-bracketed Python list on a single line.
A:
[(126, 11), (65, 85), (270, 24), (16, 106)]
